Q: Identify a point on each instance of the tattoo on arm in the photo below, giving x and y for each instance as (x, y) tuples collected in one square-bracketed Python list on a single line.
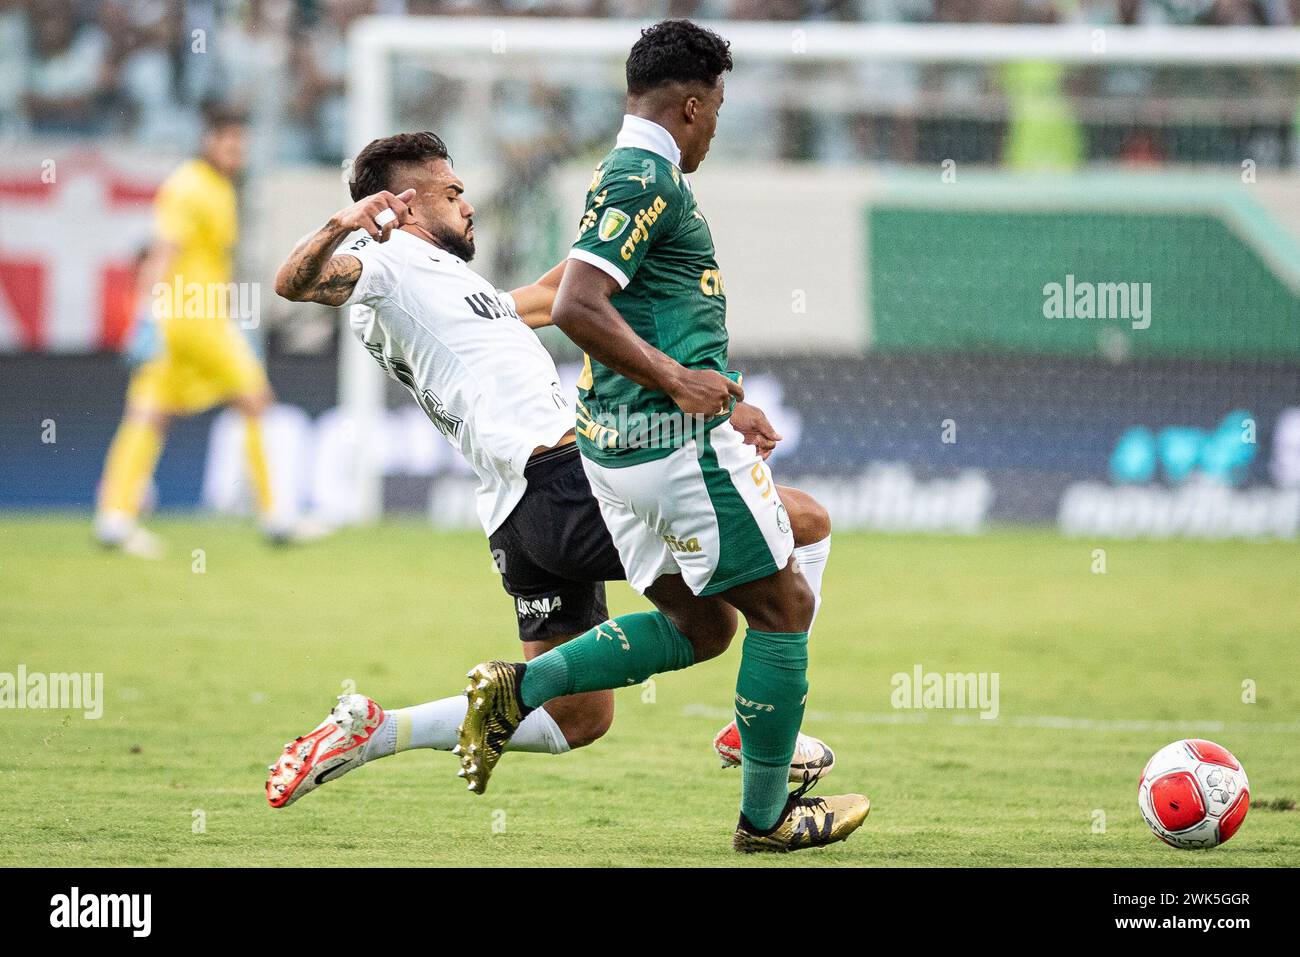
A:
[(335, 282), (312, 273)]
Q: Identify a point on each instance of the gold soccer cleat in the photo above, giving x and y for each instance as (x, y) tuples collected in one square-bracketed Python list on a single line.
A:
[(494, 713), (806, 822)]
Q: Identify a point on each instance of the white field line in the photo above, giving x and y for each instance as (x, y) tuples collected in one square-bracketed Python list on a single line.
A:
[(1053, 722)]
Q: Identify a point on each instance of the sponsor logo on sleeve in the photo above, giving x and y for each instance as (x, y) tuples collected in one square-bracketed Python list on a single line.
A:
[(645, 218), (612, 224)]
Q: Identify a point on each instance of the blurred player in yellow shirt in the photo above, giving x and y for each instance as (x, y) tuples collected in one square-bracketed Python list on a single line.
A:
[(188, 353)]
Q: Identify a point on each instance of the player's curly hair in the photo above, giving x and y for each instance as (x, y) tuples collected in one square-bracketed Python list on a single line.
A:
[(676, 51), (372, 169)]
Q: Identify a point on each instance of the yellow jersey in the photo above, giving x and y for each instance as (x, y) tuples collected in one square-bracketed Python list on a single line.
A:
[(204, 358), (196, 211)]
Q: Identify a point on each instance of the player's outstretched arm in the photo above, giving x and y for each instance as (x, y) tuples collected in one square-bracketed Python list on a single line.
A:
[(312, 273), (584, 313), (535, 301)]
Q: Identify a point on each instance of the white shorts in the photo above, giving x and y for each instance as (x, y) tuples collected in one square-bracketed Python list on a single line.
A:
[(709, 511)]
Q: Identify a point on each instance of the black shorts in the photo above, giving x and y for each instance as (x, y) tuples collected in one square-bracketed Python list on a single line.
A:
[(554, 552)]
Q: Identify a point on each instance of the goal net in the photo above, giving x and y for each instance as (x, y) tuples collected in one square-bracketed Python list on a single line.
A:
[(974, 273)]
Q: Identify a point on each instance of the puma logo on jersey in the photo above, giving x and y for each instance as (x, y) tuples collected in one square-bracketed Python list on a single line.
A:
[(643, 180)]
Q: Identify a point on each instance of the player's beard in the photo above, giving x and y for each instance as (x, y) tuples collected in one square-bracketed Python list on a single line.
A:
[(458, 244)]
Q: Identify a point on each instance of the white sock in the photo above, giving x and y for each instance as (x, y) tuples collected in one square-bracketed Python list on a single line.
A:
[(812, 562), (433, 725), (539, 734)]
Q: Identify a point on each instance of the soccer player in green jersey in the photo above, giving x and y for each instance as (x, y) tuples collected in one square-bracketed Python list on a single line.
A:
[(693, 511)]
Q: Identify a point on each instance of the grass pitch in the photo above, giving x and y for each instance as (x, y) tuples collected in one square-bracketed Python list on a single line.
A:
[(215, 657)]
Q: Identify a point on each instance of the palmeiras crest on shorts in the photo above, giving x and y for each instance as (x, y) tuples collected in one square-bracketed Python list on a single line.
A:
[(782, 518), (611, 224)]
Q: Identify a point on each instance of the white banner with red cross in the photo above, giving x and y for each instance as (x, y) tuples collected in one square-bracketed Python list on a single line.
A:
[(73, 224)]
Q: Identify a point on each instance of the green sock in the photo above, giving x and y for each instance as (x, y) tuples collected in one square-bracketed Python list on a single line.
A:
[(770, 693), (622, 651)]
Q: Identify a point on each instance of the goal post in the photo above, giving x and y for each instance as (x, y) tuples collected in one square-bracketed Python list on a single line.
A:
[(377, 37)]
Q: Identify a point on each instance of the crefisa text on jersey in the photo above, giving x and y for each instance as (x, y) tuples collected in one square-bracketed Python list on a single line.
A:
[(75, 909)]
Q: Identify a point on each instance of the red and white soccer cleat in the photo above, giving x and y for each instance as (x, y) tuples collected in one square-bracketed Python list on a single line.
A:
[(811, 755), (335, 747)]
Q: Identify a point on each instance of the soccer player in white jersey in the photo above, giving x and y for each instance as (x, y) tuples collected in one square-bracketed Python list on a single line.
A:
[(468, 354)]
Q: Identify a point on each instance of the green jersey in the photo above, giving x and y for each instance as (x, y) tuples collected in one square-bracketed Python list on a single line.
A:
[(643, 227)]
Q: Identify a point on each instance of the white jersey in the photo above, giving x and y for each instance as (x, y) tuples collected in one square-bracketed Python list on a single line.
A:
[(457, 343)]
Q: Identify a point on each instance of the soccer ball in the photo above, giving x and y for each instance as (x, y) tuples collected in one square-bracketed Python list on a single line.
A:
[(1193, 794)]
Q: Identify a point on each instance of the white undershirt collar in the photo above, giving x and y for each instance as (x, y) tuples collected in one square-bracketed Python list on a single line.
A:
[(640, 133)]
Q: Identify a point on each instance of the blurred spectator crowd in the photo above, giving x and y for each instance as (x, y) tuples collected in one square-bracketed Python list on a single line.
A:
[(140, 69)]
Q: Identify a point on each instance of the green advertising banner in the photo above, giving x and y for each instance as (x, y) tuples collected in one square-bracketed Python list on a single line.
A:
[(1163, 279)]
